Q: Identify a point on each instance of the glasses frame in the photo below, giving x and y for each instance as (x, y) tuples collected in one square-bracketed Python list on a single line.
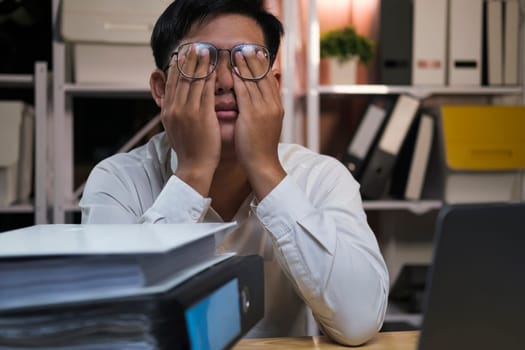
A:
[(230, 51)]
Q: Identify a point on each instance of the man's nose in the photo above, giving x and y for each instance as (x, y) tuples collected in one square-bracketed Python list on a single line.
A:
[(224, 82)]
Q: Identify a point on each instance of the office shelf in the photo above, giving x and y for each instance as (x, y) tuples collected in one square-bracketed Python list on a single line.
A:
[(417, 91), (39, 83), (16, 80), (106, 90), (416, 207), (18, 208)]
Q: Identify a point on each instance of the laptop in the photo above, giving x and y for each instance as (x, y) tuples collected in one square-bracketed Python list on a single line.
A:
[(475, 296)]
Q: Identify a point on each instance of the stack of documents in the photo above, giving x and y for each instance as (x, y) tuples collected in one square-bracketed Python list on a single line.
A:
[(103, 286), (52, 264)]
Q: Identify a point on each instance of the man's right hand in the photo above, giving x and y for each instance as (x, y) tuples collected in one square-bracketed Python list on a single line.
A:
[(188, 116)]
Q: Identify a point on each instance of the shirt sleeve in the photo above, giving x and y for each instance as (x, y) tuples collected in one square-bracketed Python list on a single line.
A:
[(127, 195), (327, 249)]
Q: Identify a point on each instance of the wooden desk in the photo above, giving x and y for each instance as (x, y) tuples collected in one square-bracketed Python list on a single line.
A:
[(383, 341)]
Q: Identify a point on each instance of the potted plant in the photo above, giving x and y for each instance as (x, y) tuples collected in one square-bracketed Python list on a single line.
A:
[(345, 48)]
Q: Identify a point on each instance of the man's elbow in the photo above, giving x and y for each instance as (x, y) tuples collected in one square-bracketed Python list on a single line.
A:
[(356, 334), (357, 327)]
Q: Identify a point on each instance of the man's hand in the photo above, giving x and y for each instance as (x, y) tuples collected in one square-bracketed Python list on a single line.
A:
[(188, 115), (258, 126)]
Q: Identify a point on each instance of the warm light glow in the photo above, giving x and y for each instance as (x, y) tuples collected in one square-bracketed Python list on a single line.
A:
[(334, 14)]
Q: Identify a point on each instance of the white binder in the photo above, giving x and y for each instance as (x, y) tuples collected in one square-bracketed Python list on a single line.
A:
[(465, 37), (430, 42), (110, 39), (511, 43), (16, 152), (494, 20), (420, 158)]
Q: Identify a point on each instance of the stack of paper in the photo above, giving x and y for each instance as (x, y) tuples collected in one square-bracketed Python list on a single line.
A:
[(53, 264), (98, 286)]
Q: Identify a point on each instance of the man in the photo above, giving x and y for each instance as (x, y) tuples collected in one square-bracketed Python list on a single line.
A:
[(219, 159)]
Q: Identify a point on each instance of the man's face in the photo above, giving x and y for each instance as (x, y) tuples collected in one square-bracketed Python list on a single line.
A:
[(224, 32)]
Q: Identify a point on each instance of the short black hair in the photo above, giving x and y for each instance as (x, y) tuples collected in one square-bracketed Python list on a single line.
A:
[(175, 22)]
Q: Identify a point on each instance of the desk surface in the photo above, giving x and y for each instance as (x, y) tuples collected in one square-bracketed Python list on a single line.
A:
[(382, 341)]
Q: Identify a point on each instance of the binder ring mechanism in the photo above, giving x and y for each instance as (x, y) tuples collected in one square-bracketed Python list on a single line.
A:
[(245, 299)]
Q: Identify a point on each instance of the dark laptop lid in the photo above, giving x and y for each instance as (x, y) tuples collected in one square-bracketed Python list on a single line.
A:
[(475, 295)]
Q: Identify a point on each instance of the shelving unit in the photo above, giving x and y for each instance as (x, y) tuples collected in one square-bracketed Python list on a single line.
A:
[(39, 83), (64, 92), (315, 91), (66, 197), (404, 228)]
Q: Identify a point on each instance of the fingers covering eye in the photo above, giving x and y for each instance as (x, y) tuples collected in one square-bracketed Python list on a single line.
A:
[(198, 60), (252, 61)]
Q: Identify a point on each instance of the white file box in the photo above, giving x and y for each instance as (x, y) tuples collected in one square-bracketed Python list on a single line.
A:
[(110, 39), (16, 152)]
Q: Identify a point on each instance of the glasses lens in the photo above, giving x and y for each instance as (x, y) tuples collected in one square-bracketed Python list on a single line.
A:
[(255, 62), (200, 58)]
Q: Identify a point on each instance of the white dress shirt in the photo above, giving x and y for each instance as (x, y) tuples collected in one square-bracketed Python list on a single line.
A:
[(311, 230)]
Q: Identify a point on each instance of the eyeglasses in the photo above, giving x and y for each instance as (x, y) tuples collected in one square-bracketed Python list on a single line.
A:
[(205, 65)]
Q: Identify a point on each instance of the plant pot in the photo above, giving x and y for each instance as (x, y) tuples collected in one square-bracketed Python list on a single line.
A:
[(343, 72)]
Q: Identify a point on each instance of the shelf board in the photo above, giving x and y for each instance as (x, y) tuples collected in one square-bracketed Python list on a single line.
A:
[(107, 90), (18, 208), (417, 207), (16, 80), (419, 91)]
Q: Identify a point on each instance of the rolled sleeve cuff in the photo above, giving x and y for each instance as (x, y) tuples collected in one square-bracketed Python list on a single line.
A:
[(287, 206), (179, 202)]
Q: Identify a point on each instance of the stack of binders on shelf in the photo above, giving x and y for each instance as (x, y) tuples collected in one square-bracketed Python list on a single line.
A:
[(409, 173), (485, 153), (125, 286), (384, 154), (456, 43), (364, 139), (16, 152), (390, 151)]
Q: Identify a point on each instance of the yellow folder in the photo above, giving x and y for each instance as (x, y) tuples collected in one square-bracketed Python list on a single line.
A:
[(484, 137)]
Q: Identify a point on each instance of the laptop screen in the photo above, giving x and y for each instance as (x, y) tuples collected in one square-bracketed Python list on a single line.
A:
[(475, 296)]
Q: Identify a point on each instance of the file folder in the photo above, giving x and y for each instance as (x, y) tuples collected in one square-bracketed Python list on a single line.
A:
[(430, 42), (484, 137), (211, 310), (410, 170), (465, 42), (379, 169), (395, 42), (511, 42), (494, 22), (484, 151), (366, 135)]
